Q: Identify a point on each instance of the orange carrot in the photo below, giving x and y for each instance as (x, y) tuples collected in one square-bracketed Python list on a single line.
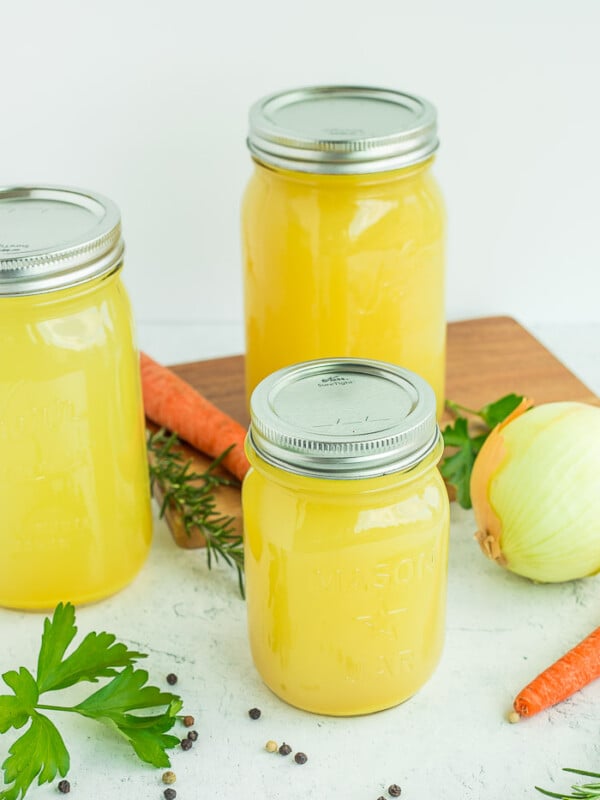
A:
[(172, 403), (573, 671)]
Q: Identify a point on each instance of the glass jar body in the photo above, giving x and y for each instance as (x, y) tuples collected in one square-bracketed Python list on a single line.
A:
[(75, 515), (346, 584), (344, 265)]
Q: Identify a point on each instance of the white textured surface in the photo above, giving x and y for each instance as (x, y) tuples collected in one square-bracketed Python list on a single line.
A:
[(450, 741)]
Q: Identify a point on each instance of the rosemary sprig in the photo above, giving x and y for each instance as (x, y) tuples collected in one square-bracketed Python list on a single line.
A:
[(581, 791), (190, 495)]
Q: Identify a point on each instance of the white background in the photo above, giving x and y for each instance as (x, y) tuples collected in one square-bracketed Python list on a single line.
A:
[(147, 102)]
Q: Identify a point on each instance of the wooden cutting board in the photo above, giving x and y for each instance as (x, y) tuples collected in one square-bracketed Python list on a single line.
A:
[(487, 358)]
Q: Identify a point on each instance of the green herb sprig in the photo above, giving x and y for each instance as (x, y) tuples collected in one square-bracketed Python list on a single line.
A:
[(190, 495), (41, 752), (581, 790), (457, 467)]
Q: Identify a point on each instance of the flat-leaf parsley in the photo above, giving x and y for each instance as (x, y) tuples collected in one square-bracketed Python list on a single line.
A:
[(457, 467), (40, 752)]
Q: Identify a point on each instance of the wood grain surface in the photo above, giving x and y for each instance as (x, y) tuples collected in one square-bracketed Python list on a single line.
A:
[(487, 358)]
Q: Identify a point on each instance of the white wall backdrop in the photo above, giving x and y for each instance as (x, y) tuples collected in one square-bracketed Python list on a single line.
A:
[(146, 101)]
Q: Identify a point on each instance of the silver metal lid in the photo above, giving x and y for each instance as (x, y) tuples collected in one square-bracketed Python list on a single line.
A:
[(53, 237), (342, 129), (343, 418)]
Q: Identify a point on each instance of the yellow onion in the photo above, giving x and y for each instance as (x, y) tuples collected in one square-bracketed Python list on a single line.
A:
[(535, 489)]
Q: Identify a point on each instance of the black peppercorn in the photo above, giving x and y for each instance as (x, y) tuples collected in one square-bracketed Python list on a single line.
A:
[(193, 735), (171, 679), (394, 790), (285, 749), (64, 787), (300, 758), (170, 794), (254, 713), (186, 744)]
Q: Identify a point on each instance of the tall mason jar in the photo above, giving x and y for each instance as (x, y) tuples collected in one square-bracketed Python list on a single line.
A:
[(343, 230), (75, 516)]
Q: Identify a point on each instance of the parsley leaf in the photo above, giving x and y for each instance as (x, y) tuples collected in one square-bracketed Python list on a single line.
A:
[(126, 692), (96, 657), (16, 710), (497, 412), (456, 468), (40, 752), (148, 735)]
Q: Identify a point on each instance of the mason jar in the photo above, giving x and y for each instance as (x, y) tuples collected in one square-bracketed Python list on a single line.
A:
[(75, 516), (346, 522), (343, 230)]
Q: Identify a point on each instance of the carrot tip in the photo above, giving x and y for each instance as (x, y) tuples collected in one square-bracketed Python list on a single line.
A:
[(514, 716)]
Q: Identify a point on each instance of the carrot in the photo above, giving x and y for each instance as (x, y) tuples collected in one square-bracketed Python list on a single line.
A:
[(571, 672), (172, 403)]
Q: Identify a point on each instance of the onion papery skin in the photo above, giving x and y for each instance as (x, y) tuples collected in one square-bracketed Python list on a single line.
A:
[(535, 489)]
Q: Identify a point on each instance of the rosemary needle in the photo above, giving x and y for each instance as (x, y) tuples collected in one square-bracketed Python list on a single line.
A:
[(191, 496), (581, 791)]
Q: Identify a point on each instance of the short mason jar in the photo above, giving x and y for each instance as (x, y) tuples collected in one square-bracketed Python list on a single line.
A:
[(343, 232), (75, 514), (346, 522)]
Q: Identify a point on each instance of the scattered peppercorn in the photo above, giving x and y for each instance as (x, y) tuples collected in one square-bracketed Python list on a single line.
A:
[(170, 794), (300, 758), (271, 746), (188, 720), (254, 713), (64, 787), (169, 777), (285, 749), (394, 790), (186, 744), (193, 735), (381, 797), (171, 679)]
